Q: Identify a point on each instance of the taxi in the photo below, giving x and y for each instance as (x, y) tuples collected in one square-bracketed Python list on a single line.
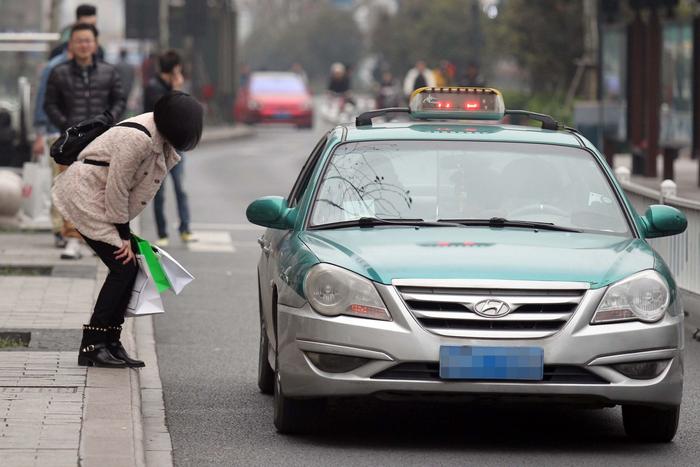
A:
[(452, 254)]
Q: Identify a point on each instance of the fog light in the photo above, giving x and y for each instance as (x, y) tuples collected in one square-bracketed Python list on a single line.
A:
[(642, 370), (333, 363)]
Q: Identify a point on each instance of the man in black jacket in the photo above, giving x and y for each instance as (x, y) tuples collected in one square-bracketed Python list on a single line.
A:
[(169, 79), (79, 89)]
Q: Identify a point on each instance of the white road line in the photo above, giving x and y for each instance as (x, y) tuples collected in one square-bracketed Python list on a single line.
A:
[(212, 242)]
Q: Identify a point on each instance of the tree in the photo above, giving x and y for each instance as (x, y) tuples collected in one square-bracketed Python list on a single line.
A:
[(316, 37), (430, 31), (545, 37)]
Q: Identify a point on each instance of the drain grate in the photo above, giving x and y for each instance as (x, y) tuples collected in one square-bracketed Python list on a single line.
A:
[(38, 389)]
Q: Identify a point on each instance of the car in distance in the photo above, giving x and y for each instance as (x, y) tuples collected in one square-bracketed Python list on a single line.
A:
[(275, 97), (444, 256)]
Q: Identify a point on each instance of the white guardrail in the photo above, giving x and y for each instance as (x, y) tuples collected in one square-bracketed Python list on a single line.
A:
[(681, 252)]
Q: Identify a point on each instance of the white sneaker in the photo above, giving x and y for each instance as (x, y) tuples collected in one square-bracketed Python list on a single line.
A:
[(162, 242), (72, 249)]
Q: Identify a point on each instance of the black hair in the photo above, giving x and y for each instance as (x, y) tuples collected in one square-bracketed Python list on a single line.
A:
[(123, 53), (85, 10), (168, 60), (83, 27), (179, 118)]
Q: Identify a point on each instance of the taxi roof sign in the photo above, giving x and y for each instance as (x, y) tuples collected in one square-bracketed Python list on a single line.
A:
[(464, 103)]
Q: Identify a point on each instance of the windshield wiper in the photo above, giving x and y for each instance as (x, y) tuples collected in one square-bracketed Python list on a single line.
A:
[(375, 221), (502, 222)]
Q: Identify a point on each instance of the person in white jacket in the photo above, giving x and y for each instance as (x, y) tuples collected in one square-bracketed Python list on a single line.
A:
[(417, 77)]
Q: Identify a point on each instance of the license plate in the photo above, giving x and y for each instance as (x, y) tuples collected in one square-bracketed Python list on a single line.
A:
[(283, 115), (489, 363)]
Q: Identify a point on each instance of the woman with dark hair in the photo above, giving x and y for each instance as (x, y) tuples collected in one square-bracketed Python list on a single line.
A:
[(112, 181)]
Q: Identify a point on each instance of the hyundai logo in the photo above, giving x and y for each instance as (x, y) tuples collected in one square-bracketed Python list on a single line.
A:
[(491, 308)]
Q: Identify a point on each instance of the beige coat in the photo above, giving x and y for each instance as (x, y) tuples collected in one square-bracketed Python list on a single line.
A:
[(95, 198)]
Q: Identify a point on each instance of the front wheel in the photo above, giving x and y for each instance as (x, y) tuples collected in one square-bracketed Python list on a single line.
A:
[(266, 375), (651, 424), (295, 416)]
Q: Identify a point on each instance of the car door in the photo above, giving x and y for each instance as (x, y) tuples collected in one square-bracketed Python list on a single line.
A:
[(276, 246)]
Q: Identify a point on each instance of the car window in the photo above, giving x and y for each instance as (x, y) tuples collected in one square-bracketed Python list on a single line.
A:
[(305, 174), (463, 180), (277, 83)]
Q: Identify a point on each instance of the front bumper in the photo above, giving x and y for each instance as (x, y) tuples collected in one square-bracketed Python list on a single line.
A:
[(388, 344)]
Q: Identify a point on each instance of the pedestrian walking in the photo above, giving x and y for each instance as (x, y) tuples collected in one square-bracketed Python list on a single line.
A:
[(76, 90), (112, 181), (45, 132), (418, 77), (169, 78)]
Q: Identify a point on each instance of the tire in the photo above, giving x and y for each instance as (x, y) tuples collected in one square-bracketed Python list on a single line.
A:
[(266, 375), (295, 416), (651, 424)]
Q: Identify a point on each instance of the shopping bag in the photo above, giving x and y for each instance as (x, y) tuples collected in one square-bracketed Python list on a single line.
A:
[(152, 262), (178, 277), (36, 191), (145, 298)]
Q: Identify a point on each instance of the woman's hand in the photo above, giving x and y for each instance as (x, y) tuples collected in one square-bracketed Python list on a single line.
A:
[(125, 253)]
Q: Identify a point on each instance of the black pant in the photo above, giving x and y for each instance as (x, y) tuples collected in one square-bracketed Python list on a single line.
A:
[(115, 293)]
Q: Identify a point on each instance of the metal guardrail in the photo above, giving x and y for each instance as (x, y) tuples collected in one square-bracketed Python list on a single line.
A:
[(681, 252)]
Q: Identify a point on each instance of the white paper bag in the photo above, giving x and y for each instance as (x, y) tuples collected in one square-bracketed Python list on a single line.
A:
[(178, 276), (145, 299)]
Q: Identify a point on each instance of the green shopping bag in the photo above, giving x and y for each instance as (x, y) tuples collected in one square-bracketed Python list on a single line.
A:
[(153, 263)]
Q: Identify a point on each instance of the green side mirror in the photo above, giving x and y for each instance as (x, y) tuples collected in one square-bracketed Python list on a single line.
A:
[(661, 221), (272, 212)]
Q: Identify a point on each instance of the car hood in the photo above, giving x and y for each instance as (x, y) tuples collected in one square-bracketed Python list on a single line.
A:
[(383, 254)]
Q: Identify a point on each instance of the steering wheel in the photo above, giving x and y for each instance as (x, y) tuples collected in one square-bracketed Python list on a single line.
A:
[(537, 208)]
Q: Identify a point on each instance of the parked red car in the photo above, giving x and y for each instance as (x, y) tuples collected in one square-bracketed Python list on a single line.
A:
[(274, 97)]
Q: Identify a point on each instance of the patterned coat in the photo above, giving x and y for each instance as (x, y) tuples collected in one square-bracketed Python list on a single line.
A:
[(95, 198)]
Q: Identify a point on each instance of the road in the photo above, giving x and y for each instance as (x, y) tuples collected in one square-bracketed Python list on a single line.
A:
[(207, 349)]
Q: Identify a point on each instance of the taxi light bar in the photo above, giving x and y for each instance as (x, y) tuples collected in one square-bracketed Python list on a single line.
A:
[(464, 103)]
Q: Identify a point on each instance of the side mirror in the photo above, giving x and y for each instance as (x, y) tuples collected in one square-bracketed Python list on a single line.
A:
[(272, 212), (661, 221)]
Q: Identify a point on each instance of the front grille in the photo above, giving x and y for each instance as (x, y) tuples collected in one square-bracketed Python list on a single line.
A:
[(430, 371), (450, 311)]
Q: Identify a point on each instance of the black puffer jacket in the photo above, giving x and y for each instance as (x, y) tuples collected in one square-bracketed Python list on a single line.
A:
[(74, 94)]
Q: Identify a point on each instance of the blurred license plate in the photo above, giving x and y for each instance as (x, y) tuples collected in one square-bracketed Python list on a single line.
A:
[(505, 363), (283, 115)]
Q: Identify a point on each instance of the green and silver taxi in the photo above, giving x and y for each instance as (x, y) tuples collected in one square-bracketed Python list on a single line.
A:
[(452, 254)]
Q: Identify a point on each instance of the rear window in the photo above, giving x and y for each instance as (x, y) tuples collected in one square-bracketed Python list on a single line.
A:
[(267, 84)]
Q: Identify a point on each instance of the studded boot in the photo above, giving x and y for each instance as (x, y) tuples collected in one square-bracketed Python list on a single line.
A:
[(94, 350), (117, 349)]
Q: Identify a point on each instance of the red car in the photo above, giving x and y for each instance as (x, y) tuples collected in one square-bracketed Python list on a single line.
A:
[(274, 97)]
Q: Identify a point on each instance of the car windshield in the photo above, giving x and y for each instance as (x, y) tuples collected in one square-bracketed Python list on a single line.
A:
[(277, 83), (462, 181)]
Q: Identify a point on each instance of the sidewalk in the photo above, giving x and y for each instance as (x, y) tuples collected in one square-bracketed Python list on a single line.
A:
[(52, 411), (685, 170), (216, 134)]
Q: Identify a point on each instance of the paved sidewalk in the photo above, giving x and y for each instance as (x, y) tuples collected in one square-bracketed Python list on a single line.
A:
[(686, 175), (52, 411), (215, 134)]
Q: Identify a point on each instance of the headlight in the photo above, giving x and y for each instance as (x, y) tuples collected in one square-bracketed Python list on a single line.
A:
[(643, 296), (334, 291)]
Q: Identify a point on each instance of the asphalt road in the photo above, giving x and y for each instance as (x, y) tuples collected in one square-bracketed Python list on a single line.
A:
[(207, 348)]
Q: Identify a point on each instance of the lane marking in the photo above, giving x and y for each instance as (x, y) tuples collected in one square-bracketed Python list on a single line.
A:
[(212, 242)]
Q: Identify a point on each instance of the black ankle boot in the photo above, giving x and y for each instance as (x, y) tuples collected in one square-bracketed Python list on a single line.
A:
[(115, 346), (94, 351)]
